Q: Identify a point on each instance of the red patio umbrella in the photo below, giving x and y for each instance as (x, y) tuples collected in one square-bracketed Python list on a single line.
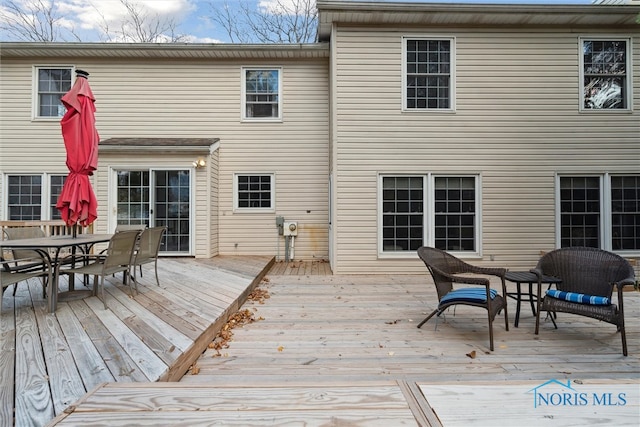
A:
[(77, 202)]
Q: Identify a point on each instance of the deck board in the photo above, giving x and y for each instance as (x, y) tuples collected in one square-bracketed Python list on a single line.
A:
[(7, 361), (116, 404), (33, 401)]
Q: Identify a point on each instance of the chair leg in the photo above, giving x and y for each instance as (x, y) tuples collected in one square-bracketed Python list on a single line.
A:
[(133, 282), (95, 285), (102, 293), (490, 331), (623, 335), (133, 277), (157, 279), (552, 316), (506, 316), (428, 317)]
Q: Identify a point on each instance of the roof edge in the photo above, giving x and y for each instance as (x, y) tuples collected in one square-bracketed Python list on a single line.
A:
[(204, 50)]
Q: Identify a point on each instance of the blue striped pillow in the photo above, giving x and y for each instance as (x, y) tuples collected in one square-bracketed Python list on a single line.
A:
[(579, 298), (468, 295)]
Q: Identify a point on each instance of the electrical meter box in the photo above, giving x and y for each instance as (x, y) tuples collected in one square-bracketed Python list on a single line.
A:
[(290, 229)]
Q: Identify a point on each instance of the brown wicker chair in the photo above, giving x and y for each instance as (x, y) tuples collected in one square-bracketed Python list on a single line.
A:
[(445, 270), (588, 271)]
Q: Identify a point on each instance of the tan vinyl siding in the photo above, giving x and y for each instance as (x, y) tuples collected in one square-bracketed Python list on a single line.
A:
[(295, 151), (194, 99), (517, 124), (214, 198), (27, 146)]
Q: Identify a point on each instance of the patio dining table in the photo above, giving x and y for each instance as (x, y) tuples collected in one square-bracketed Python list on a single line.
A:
[(51, 248)]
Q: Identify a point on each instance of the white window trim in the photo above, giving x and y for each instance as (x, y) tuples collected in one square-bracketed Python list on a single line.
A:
[(429, 214), (243, 85), (112, 199), (629, 68), (605, 209), (237, 209), (452, 86), (45, 196), (34, 91)]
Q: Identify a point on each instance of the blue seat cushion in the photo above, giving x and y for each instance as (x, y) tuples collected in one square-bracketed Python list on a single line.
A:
[(477, 295), (579, 298)]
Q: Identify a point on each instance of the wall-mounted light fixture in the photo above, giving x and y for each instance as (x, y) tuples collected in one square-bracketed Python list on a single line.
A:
[(200, 163)]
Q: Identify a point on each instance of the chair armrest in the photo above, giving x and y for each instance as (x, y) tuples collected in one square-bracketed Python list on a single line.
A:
[(21, 264), (629, 281), (483, 281), (69, 259), (490, 271)]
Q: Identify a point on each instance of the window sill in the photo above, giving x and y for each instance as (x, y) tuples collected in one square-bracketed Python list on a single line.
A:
[(429, 111), (46, 119), (264, 120), (413, 255), (606, 111)]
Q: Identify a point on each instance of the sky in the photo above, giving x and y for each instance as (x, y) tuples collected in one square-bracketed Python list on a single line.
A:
[(194, 16)]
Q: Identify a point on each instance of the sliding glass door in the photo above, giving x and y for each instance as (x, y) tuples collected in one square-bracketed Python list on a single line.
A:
[(157, 197)]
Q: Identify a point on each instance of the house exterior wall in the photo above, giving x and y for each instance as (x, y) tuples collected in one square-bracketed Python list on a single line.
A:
[(516, 124), (296, 152), (138, 97)]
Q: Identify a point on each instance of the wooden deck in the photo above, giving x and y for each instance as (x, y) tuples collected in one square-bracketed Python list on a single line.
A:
[(49, 361), (336, 351)]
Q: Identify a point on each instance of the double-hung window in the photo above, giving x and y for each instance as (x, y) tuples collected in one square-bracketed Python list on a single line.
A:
[(434, 210), (254, 192), (429, 77), (33, 197), (600, 211), (604, 74), (51, 84), (261, 94)]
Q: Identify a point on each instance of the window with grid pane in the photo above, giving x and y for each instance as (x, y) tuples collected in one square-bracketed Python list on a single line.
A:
[(24, 197), (625, 212), (133, 197), (254, 191), (455, 213), (428, 74), (262, 94), (52, 83), (605, 78), (57, 182), (580, 211), (403, 213)]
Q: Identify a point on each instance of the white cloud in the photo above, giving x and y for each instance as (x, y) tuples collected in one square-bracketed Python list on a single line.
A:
[(95, 15), (277, 6)]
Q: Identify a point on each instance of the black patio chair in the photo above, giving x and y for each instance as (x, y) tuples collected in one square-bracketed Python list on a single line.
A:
[(589, 276), (446, 270)]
